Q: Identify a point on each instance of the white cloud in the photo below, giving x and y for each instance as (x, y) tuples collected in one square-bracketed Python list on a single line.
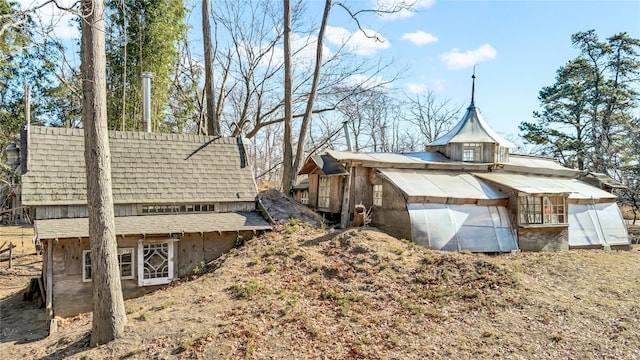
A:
[(455, 59), (416, 88), (357, 42), (420, 37), (54, 19), (368, 82), (386, 5)]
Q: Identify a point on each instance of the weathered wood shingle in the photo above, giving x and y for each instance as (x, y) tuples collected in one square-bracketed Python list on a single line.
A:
[(147, 168)]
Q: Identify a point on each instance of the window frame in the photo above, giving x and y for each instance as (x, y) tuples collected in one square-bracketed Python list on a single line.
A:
[(121, 251), (324, 192), (304, 197), (543, 210), (377, 194), (475, 149), (170, 258)]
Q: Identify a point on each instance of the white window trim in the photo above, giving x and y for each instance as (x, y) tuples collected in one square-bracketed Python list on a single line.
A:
[(120, 252), (475, 149), (304, 197), (171, 263), (377, 195), (324, 192)]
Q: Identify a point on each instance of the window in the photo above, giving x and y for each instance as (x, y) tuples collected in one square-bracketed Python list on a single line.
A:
[(155, 263), (377, 195), (304, 197), (172, 209), (543, 210), (324, 192), (471, 152), (125, 260)]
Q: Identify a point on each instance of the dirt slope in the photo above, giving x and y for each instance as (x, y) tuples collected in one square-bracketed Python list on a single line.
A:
[(307, 293)]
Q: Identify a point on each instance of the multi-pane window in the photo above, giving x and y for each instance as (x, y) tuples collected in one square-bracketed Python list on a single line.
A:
[(125, 261), (304, 197), (471, 152), (543, 210), (155, 263), (377, 195), (324, 192), (172, 209)]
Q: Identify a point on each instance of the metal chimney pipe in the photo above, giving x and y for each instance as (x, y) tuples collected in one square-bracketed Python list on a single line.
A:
[(346, 135), (146, 101)]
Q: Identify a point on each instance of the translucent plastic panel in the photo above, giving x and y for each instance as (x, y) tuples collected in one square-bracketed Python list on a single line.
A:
[(597, 224), (462, 227)]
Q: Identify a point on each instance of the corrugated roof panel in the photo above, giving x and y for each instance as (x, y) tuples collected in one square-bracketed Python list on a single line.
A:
[(457, 185), (155, 224), (532, 184)]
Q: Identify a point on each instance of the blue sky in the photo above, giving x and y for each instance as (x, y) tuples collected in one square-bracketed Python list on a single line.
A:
[(518, 46)]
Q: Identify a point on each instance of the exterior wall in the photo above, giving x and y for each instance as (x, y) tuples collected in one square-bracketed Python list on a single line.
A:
[(543, 239), (361, 188), (77, 211), (335, 199), (313, 190), (72, 296), (532, 237), (392, 217)]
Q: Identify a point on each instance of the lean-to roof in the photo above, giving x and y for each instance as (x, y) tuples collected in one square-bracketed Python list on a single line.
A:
[(441, 185), (155, 224)]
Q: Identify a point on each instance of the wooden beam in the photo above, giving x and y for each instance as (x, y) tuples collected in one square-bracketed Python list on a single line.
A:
[(346, 210)]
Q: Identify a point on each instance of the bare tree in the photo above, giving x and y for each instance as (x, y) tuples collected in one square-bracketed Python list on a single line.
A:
[(213, 123), (432, 116), (109, 317), (287, 143)]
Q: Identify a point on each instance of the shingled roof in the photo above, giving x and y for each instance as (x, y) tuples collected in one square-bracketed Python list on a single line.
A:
[(146, 168)]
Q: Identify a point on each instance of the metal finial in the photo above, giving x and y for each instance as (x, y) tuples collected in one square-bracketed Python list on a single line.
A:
[(473, 83)]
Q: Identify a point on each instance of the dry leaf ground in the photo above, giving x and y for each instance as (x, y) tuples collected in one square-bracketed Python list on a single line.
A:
[(307, 293)]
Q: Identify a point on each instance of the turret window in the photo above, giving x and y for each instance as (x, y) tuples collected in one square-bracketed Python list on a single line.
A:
[(471, 152)]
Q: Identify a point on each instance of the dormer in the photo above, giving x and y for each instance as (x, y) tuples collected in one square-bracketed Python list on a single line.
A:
[(472, 139)]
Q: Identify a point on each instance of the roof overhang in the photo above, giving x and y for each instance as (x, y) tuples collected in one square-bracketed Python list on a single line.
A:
[(443, 187), (155, 224), (576, 190), (324, 164)]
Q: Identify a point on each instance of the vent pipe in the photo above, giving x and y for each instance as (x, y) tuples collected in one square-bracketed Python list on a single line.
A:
[(346, 135), (146, 101)]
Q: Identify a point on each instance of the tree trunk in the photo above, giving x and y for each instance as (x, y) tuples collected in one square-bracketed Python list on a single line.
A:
[(287, 162), (213, 124), (109, 316), (304, 127)]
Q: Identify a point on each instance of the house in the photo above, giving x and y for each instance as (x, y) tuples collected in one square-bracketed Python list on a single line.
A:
[(300, 192), (468, 192), (179, 200)]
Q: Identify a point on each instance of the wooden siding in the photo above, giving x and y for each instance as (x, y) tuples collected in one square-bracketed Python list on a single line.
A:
[(72, 296), (78, 211), (392, 217), (313, 190), (362, 188)]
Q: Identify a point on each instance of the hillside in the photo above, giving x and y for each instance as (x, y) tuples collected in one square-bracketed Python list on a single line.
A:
[(311, 293)]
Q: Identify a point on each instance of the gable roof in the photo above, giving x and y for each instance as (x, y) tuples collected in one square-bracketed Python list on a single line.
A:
[(146, 168), (472, 129)]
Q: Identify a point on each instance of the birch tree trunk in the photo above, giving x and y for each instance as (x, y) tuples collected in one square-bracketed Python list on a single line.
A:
[(109, 317), (287, 164), (213, 124)]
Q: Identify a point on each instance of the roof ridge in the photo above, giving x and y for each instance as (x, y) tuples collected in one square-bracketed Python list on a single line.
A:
[(133, 135)]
